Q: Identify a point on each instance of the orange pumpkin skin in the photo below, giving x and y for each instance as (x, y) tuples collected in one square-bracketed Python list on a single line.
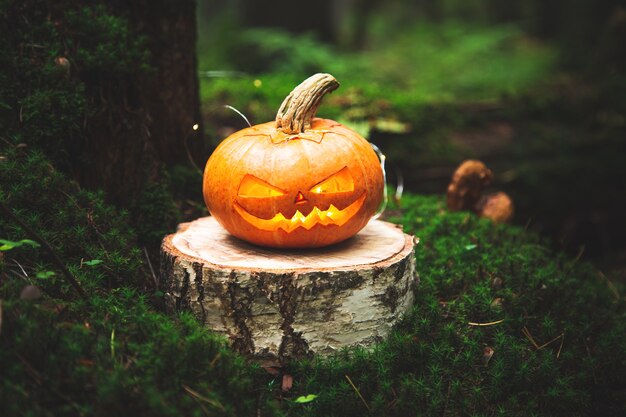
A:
[(298, 190)]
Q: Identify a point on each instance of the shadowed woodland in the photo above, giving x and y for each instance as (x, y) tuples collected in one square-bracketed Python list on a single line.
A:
[(109, 110)]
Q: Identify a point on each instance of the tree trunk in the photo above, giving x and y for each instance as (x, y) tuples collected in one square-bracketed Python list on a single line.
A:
[(145, 118), (171, 97)]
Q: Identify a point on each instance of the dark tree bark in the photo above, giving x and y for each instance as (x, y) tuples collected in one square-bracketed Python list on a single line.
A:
[(145, 119), (171, 97)]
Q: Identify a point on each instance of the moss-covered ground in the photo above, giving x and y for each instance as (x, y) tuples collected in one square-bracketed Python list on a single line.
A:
[(502, 324), (552, 341)]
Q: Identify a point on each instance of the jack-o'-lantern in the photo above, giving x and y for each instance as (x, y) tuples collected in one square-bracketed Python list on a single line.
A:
[(297, 182)]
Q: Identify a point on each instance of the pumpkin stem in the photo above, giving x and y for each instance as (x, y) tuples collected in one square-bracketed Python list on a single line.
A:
[(300, 106)]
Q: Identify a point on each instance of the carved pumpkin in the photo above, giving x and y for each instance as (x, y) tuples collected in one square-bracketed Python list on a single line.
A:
[(296, 182)]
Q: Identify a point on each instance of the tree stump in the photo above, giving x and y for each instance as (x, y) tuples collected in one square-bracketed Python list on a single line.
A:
[(279, 304)]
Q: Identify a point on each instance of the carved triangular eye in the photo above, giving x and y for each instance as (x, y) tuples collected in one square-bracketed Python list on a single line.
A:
[(254, 187), (339, 182)]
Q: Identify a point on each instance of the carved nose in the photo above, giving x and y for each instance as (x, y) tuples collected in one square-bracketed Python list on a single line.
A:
[(300, 198)]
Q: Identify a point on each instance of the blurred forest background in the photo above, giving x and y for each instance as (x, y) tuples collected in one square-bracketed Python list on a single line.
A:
[(536, 89)]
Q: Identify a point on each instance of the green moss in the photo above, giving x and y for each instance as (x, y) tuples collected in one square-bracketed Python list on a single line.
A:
[(115, 354), (154, 212), (116, 357), (105, 44), (60, 110), (433, 363), (76, 222), (112, 353), (67, 67)]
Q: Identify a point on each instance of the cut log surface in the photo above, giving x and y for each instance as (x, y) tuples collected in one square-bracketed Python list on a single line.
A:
[(279, 304)]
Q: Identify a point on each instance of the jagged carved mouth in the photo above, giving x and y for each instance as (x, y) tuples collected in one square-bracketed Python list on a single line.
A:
[(331, 216)]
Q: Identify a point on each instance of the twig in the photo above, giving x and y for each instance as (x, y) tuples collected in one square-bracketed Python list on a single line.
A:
[(156, 282), (214, 360), (560, 347), (23, 271), (7, 141), (610, 285), (581, 250), (44, 243), (553, 340), (491, 323), (358, 393), (530, 337), (536, 345), (17, 274), (32, 372), (112, 344), (393, 402), (527, 225), (202, 407), (200, 397)]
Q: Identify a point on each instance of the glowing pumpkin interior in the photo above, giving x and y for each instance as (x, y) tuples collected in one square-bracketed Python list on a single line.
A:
[(340, 182)]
